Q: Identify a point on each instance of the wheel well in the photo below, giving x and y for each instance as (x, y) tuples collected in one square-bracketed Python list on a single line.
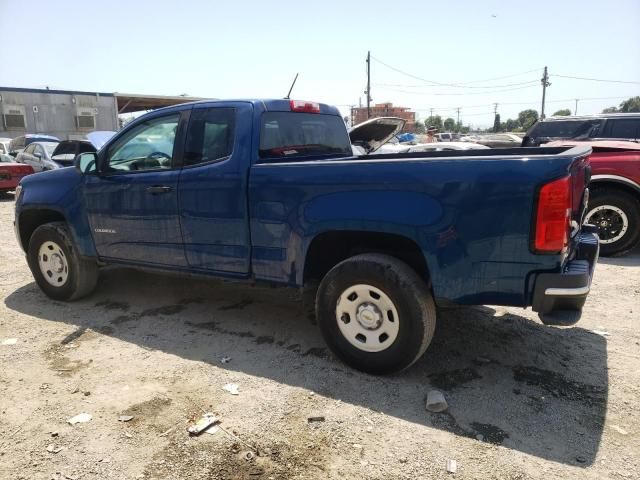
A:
[(330, 248), (32, 219), (607, 185)]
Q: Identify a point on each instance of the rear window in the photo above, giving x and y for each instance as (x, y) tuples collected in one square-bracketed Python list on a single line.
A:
[(289, 134), (564, 129), (624, 128)]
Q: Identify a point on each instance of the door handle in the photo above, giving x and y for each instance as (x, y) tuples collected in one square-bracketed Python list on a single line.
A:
[(155, 189)]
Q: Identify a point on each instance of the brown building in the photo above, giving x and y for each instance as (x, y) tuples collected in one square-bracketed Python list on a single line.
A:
[(359, 114)]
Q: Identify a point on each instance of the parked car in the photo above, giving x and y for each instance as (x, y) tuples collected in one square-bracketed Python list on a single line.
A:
[(18, 144), (446, 146), (11, 173), (38, 155), (4, 145), (500, 140), (270, 190), (622, 126), (614, 200), (67, 150)]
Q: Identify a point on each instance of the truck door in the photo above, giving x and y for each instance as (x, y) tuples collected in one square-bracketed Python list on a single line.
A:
[(213, 188), (133, 203)]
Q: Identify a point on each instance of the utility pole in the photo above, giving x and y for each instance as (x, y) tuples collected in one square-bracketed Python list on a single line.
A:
[(458, 110), (368, 92), (431, 114), (575, 112), (545, 84)]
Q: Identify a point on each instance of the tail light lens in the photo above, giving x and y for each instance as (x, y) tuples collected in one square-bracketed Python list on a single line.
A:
[(302, 106), (553, 216)]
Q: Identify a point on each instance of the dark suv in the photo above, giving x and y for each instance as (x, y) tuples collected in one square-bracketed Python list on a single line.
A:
[(622, 126)]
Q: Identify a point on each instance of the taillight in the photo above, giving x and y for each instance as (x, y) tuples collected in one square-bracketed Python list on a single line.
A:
[(553, 216), (302, 106)]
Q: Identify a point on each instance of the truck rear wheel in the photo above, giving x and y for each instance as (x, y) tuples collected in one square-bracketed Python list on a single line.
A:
[(54, 262), (375, 313), (616, 214)]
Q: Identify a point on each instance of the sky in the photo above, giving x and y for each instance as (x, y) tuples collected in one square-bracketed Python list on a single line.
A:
[(484, 52)]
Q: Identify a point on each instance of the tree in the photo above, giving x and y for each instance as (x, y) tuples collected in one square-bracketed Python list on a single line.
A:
[(526, 118), (496, 123), (565, 112), (630, 105), (434, 122), (610, 110), (419, 127), (511, 125), (449, 124)]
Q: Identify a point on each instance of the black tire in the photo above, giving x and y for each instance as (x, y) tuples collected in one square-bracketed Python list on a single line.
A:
[(82, 274), (410, 296), (602, 197)]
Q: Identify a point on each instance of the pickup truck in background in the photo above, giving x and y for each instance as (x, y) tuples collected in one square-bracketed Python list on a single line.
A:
[(614, 200), (270, 190)]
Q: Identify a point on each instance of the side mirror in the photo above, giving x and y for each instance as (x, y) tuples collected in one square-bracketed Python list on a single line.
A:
[(86, 162)]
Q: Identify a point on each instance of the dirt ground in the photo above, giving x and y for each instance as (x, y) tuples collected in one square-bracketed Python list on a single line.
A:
[(525, 400)]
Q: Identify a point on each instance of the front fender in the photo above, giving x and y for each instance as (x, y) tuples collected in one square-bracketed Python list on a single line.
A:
[(56, 192)]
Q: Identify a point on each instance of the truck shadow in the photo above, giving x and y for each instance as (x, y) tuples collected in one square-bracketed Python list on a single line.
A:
[(631, 259), (508, 380)]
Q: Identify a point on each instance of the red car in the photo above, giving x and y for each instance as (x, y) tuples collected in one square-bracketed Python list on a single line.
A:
[(614, 205), (11, 173)]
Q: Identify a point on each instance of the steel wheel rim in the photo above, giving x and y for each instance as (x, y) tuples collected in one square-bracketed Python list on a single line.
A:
[(367, 318), (611, 221), (53, 264)]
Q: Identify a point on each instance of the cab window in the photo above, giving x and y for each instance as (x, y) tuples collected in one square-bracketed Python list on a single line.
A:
[(148, 146)]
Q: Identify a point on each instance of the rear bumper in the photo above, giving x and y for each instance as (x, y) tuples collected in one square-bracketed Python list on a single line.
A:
[(559, 293)]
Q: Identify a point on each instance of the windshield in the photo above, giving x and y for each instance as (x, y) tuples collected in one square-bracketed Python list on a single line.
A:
[(285, 134), (49, 147), (563, 129)]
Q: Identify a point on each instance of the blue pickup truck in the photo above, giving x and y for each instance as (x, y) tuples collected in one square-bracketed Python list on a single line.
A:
[(270, 190)]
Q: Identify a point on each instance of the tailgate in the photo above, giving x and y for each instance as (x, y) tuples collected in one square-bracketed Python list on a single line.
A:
[(580, 172)]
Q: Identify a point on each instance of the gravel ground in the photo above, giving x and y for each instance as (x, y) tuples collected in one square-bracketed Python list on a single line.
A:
[(525, 400)]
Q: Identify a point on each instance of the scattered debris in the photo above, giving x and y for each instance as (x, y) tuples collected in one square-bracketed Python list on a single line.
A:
[(212, 430), (232, 388), (620, 430), (125, 418), (403, 459), (53, 449), (76, 389), (249, 456), (318, 418), (452, 466), (436, 402), (602, 333), (54, 434), (10, 341), (203, 423), (224, 360), (80, 418), (87, 393), (128, 435)]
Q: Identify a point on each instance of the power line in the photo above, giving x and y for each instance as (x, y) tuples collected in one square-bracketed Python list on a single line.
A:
[(442, 84), (534, 83), (529, 82), (596, 79)]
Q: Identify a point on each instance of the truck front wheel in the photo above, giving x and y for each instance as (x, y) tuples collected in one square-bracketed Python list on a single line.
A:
[(56, 266), (375, 313)]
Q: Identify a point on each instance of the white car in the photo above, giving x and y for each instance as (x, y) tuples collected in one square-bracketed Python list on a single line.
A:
[(4, 145), (38, 155)]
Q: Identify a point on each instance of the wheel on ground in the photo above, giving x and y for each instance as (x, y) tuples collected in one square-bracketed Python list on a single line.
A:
[(375, 313), (616, 214), (56, 266)]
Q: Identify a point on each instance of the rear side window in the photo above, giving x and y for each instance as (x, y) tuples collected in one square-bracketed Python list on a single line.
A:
[(290, 134), (210, 135), (624, 128), (564, 129)]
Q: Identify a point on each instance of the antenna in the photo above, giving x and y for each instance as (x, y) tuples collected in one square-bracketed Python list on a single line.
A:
[(292, 85)]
